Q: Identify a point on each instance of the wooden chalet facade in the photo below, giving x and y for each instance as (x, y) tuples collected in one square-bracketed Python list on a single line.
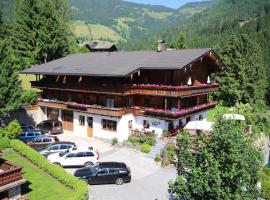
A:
[(109, 95), (11, 180)]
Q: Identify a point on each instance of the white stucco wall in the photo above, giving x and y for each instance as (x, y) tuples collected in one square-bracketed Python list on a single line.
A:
[(155, 124)]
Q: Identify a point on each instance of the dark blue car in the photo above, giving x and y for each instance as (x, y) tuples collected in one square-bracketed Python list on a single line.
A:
[(30, 134)]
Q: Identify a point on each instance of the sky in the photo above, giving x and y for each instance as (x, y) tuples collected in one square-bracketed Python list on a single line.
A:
[(168, 3)]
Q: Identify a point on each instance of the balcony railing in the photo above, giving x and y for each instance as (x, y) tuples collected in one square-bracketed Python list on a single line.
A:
[(135, 89), (166, 90), (78, 87), (180, 113), (9, 172), (94, 109)]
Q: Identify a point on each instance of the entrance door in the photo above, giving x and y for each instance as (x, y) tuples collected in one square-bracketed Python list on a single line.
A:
[(90, 126), (67, 118)]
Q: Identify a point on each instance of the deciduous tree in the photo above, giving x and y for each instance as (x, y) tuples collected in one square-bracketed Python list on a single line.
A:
[(225, 165)]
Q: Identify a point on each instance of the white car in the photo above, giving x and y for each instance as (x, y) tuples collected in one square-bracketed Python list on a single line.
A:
[(79, 157)]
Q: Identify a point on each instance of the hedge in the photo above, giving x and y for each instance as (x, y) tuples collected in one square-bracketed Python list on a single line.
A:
[(4, 143), (57, 172)]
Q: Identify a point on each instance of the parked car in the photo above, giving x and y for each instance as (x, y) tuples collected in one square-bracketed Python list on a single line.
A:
[(27, 127), (51, 126), (105, 173), (57, 148), (79, 157), (31, 134), (39, 143)]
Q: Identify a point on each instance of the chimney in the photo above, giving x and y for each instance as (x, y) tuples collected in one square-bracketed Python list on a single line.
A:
[(161, 45)]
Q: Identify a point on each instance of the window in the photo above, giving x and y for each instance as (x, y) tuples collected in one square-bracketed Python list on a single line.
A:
[(30, 134), (200, 117), (71, 155), (81, 120), (113, 171), (89, 154), (90, 122), (81, 154), (109, 124), (63, 146), (46, 140), (56, 147), (146, 124), (130, 124), (110, 103), (102, 172)]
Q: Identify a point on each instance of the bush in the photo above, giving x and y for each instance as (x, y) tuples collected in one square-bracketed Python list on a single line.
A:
[(142, 139), (145, 148), (12, 131), (29, 96), (57, 172), (158, 158), (168, 154), (265, 180), (4, 143), (114, 141)]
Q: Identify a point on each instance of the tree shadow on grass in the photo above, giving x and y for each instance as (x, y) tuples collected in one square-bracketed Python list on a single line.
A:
[(25, 189)]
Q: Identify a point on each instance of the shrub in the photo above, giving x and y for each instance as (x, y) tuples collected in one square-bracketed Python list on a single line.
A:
[(57, 172), (4, 143), (158, 158), (168, 154), (12, 131), (142, 139), (114, 141), (29, 96), (145, 148), (265, 180)]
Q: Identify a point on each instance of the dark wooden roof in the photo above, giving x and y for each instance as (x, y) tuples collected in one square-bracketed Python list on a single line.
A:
[(97, 46), (119, 64)]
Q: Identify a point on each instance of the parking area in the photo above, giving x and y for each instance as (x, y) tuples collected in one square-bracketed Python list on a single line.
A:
[(149, 181)]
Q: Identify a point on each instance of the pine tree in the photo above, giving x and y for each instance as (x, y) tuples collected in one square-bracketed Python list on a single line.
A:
[(244, 79), (180, 42), (40, 31), (10, 85)]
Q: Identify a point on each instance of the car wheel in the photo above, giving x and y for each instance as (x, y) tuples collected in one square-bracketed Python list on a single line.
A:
[(119, 181), (57, 163), (88, 164)]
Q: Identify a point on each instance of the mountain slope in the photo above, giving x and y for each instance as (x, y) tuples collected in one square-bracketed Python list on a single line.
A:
[(131, 20), (211, 27)]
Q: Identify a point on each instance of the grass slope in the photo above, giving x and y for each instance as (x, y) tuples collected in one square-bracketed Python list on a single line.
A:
[(94, 31), (42, 186)]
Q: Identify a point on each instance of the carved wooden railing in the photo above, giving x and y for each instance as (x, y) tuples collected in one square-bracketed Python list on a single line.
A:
[(94, 109), (118, 112), (180, 113), (78, 87), (126, 90), (174, 91), (9, 172)]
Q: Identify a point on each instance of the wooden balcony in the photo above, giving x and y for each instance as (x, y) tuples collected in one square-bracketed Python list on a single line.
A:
[(9, 172), (126, 90), (178, 114), (93, 109), (78, 87), (170, 91)]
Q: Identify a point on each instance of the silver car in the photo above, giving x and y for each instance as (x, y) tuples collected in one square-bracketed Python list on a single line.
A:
[(57, 148)]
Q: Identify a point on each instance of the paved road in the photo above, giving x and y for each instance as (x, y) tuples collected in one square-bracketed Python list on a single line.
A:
[(149, 181)]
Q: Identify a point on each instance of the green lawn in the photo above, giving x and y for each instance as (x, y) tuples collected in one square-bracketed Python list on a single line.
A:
[(25, 80), (41, 185), (211, 114)]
